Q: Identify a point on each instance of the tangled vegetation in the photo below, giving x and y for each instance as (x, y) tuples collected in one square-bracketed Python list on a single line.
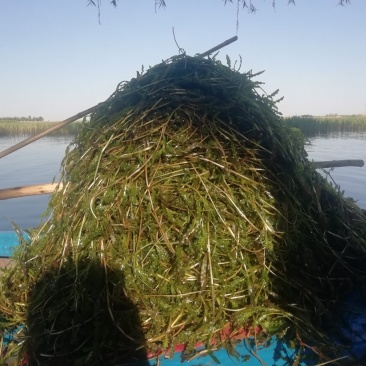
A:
[(188, 214)]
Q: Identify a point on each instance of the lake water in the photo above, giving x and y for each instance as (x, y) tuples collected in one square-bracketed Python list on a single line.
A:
[(40, 163), (342, 147), (36, 163)]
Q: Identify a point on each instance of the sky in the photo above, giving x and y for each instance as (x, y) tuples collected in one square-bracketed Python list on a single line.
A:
[(57, 60)]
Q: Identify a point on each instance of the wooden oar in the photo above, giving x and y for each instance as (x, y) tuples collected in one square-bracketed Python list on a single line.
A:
[(337, 163), (30, 190)]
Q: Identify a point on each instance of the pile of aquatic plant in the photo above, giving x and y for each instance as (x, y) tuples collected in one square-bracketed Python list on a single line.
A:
[(188, 214)]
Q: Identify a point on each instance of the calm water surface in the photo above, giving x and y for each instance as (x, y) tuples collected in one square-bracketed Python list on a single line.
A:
[(36, 163), (40, 163), (342, 147)]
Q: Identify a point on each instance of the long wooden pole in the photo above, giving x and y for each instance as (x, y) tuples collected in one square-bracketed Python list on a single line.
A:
[(29, 190), (88, 111), (48, 131), (216, 48), (337, 163)]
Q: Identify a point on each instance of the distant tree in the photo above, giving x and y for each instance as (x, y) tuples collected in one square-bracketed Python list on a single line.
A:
[(19, 119)]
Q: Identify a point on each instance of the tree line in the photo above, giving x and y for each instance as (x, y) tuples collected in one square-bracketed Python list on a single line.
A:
[(22, 119)]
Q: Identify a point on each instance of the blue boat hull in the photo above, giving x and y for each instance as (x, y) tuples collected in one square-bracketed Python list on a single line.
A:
[(272, 353)]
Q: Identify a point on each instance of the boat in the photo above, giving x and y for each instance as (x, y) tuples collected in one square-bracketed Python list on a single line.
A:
[(248, 350)]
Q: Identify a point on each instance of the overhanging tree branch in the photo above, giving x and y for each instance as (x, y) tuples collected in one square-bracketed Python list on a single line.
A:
[(249, 4)]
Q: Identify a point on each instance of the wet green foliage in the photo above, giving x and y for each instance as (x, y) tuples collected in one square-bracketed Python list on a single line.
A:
[(187, 198)]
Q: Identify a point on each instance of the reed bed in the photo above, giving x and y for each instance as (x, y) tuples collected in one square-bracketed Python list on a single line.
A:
[(19, 128), (188, 214), (312, 126)]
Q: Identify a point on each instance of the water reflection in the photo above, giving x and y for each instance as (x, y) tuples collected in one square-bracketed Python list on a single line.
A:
[(339, 135)]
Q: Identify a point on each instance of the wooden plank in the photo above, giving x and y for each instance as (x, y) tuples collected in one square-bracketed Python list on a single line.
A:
[(337, 163), (30, 190), (5, 263)]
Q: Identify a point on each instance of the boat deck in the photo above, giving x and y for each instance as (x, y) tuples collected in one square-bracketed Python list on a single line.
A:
[(5, 262)]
